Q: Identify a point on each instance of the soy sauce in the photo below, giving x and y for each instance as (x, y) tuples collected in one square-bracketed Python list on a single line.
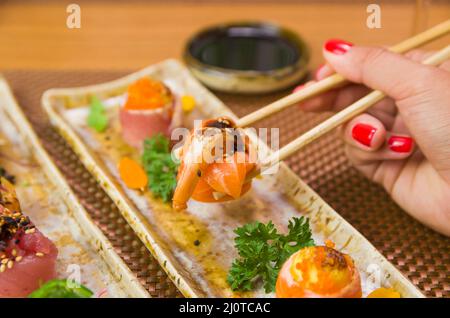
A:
[(245, 48)]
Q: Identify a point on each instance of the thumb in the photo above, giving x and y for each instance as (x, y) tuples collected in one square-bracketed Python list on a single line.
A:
[(421, 92)]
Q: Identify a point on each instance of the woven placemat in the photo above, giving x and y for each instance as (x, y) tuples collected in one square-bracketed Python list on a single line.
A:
[(421, 254)]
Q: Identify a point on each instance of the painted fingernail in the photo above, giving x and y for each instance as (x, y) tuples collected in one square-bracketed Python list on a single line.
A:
[(337, 46), (400, 143), (299, 87), (363, 134), (317, 73)]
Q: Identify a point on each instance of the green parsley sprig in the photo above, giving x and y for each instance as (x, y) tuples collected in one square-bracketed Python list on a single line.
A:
[(262, 252), (159, 166)]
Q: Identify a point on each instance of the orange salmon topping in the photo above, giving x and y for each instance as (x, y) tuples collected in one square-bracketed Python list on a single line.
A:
[(147, 94)]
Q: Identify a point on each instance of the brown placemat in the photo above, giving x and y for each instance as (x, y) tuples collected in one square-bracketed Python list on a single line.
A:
[(421, 254)]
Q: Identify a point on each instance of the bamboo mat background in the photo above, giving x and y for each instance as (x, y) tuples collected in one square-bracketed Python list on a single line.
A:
[(421, 254)]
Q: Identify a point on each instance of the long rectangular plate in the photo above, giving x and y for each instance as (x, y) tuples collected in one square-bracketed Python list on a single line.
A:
[(196, 247), (84, 251)]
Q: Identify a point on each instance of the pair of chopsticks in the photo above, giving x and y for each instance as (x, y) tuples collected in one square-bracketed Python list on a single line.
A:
[(346, 114)]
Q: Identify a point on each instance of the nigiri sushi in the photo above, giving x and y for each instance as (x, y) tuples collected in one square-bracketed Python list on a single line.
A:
[(27, 257), (318, 272), (223, 176), (147, 111)]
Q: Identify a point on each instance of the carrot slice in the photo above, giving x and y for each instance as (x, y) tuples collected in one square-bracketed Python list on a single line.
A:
[(132, 173)]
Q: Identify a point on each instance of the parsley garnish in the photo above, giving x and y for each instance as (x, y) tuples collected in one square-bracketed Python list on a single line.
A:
[(262, 252), (97, 118), (159, 166), (61, 289)]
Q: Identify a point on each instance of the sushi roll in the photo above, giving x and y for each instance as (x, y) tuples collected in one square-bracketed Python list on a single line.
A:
[(223, 177), (27, 257), (147, 111)]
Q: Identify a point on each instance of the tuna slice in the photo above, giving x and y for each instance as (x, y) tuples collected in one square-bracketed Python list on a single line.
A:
[(140, 124), (150, 109), (27, 257)]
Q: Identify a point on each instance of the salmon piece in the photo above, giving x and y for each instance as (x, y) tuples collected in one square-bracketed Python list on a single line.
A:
[(189, 172), (205, 193), (188, 178), (227, 177), (218, 181)]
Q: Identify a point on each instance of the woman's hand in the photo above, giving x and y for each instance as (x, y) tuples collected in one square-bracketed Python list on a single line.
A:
[(402, 142)]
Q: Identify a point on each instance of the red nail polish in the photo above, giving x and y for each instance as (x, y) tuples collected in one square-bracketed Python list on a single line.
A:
[(400, 143), (317, 71), (299, 87), (363, 134), (337, 46)]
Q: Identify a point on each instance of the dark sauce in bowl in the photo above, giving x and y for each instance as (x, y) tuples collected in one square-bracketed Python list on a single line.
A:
[(245, 48), (247, 57)]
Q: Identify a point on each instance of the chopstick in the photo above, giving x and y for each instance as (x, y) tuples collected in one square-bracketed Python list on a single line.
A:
[(336, 79), (337, 119)]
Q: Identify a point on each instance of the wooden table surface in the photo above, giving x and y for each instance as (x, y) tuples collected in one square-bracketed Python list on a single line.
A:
[(133, 34)]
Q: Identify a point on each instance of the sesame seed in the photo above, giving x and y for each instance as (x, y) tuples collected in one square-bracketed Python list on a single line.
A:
[(5, 260), (14, 252), (18, 258), (39, 254), (10, 264), (2, 268), (30, 231), (2, 256)]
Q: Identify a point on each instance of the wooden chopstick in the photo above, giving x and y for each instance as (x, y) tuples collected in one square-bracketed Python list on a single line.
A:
[(337, 119), (336, 79)]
